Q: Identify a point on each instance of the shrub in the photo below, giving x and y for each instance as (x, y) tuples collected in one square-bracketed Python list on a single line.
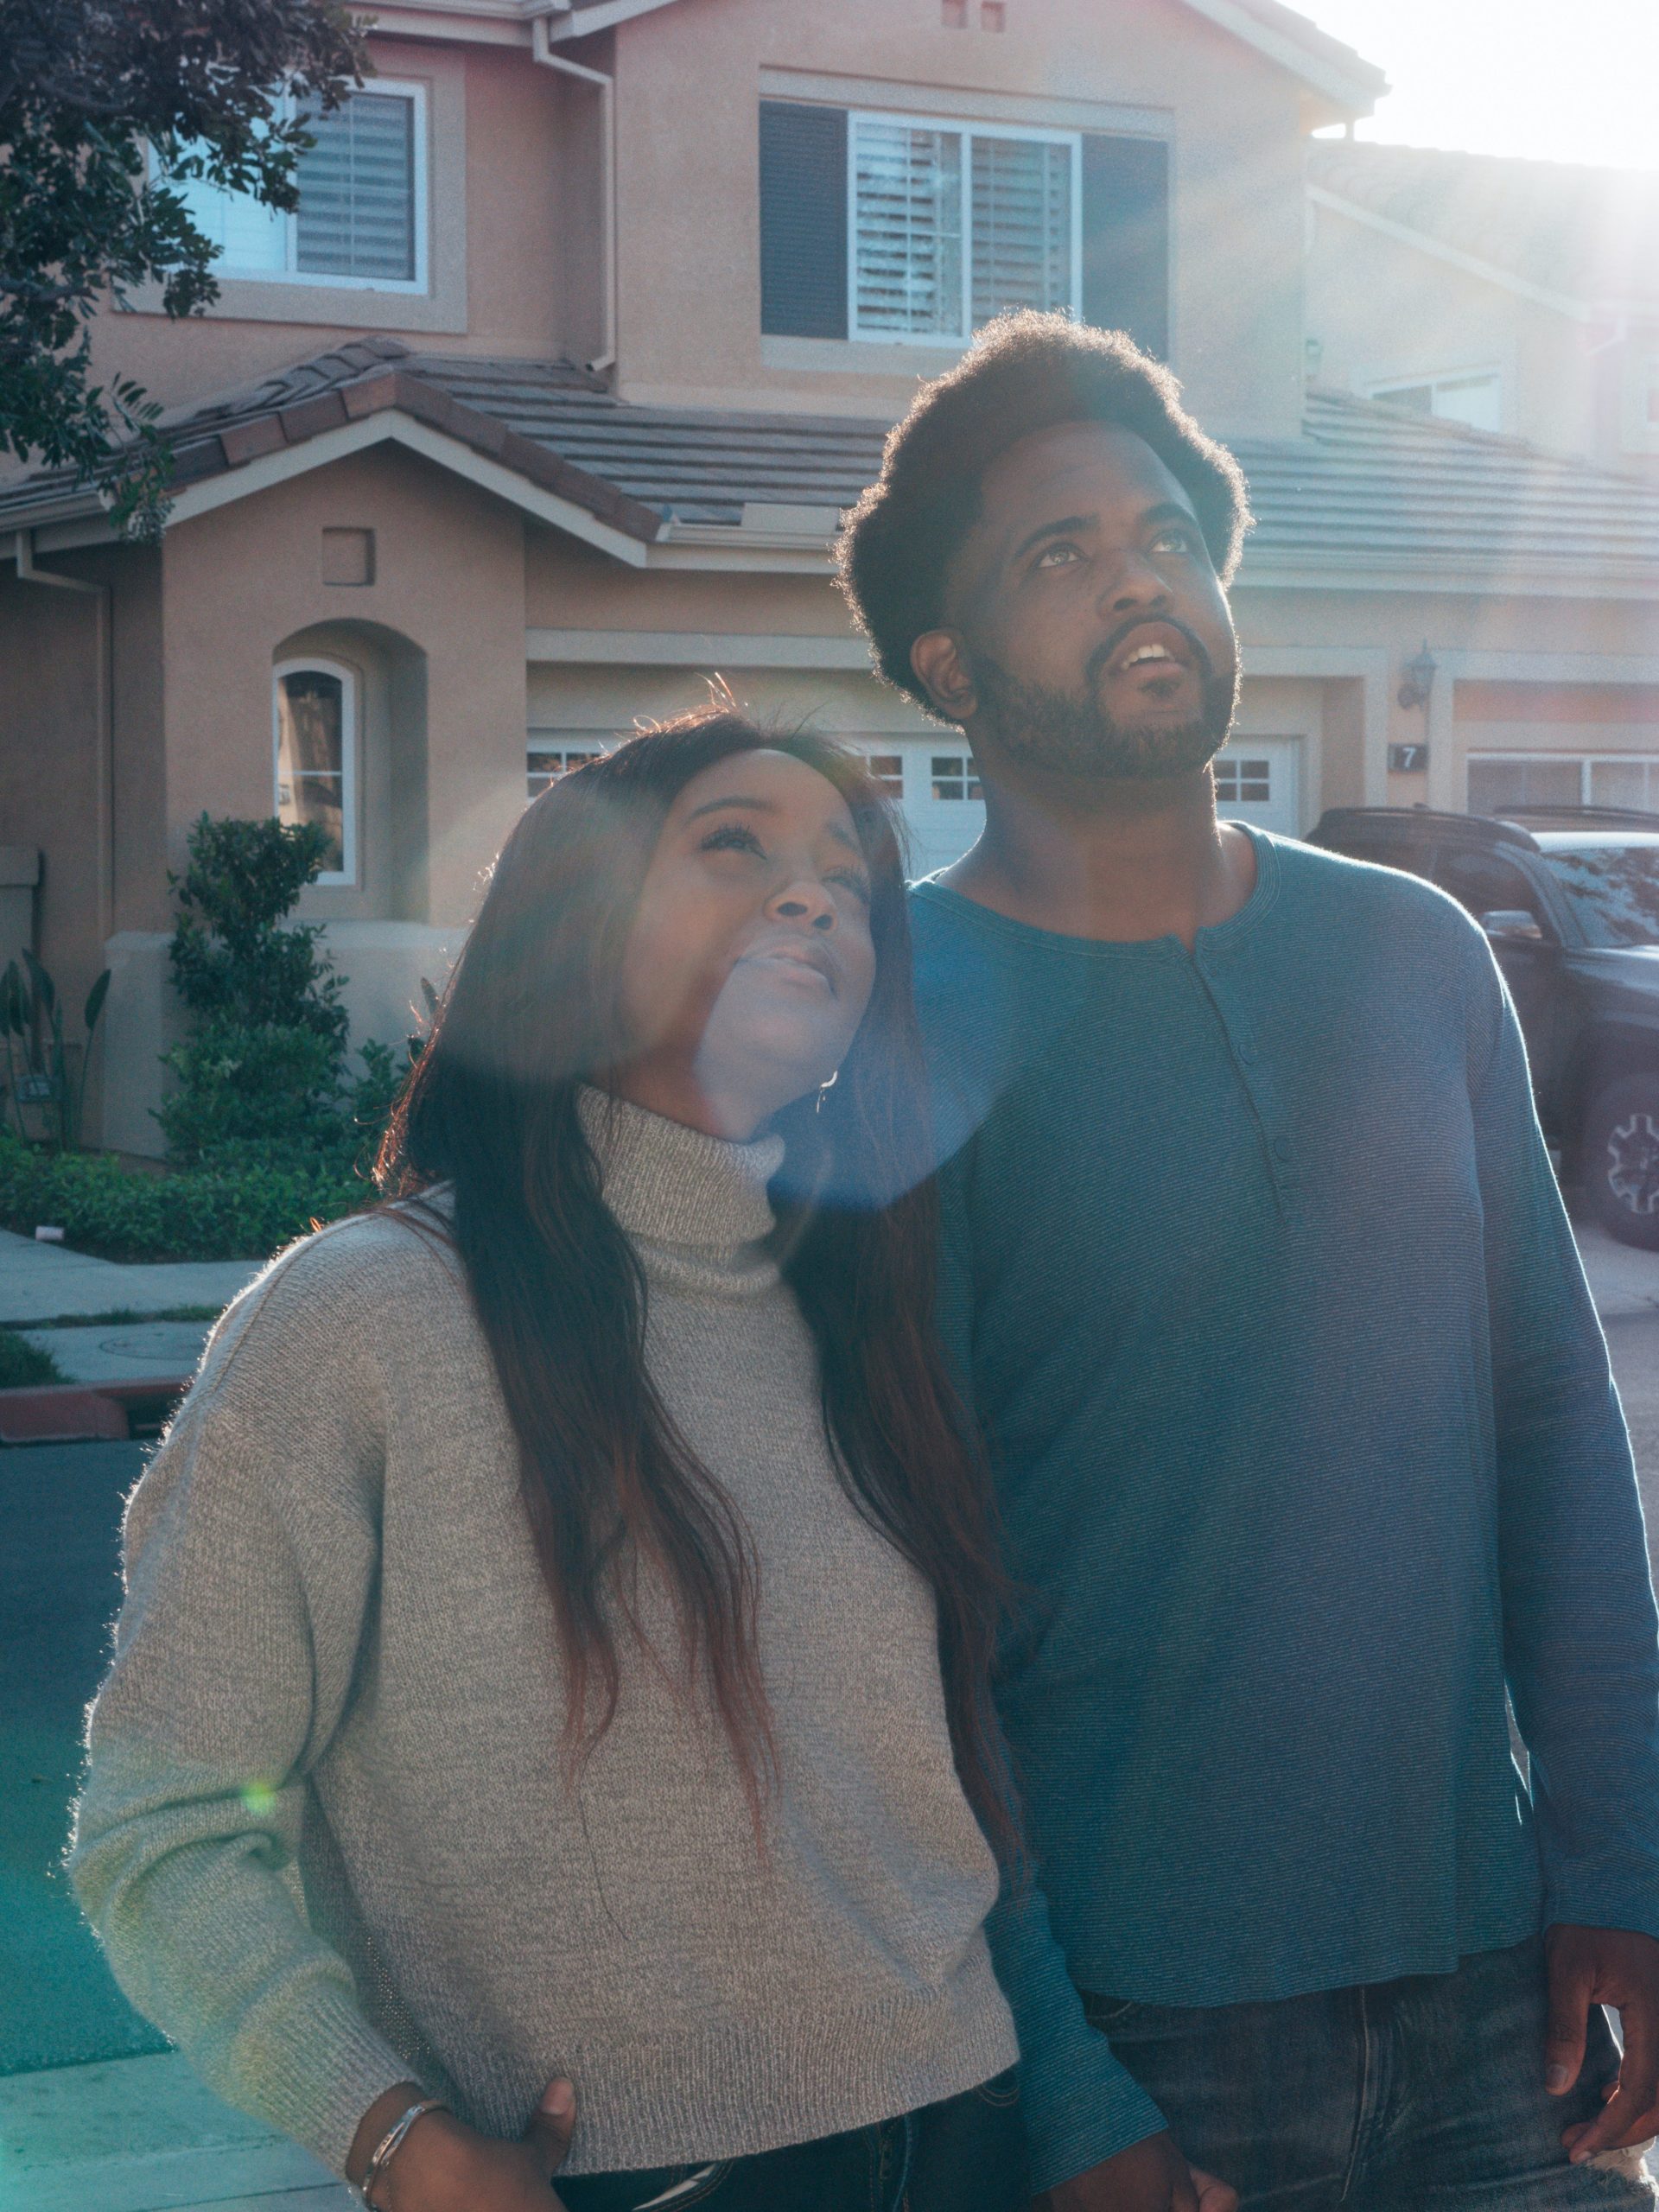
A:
[(265, 1062), (207, 1213), (22, 1363)]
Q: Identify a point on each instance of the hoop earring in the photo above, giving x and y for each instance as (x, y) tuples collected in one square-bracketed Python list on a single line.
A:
[(824, 1090)]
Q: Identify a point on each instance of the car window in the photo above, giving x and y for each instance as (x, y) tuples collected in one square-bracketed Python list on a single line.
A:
[(1413, 860), (1486, 883), (1613, 889)]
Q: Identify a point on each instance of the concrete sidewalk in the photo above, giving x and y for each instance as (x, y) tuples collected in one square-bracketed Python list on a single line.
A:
[(45, 1283), (1622, 1281), (143, 2135)]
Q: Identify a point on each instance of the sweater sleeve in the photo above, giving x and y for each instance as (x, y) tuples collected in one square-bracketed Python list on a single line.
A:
[(1081, 2104), (1581, 1638), (251, 1548)]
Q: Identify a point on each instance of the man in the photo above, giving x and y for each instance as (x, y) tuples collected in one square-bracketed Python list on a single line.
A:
[(1302, 1422)]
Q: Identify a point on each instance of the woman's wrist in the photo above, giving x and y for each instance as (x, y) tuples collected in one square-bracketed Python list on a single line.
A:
[(382, 2114)]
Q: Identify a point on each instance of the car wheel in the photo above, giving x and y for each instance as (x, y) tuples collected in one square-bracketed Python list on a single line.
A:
[(1620, 1159)]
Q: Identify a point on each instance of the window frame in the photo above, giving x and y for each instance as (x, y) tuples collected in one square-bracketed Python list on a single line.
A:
[(1438, 379), (967, 130), (1583, 762), (419, 285), (346, 876), (588, 745), (955, 768)]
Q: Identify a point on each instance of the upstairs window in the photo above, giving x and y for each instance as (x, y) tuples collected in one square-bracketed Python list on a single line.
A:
[(949, 226), (909, 230), (361, 219), (1476, 400), (315, 715)]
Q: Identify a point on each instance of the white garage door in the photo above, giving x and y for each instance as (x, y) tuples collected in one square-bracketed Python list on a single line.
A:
[(933, 779), (1258, 779)]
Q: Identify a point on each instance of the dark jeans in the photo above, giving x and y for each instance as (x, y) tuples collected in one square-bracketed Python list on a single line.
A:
[(1420, 2096), (967, 2154)]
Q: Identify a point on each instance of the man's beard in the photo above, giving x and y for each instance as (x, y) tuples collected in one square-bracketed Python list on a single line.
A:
[(1074, 735)]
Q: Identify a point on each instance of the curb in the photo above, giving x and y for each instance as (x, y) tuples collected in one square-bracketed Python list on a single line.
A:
[(85, 1412)]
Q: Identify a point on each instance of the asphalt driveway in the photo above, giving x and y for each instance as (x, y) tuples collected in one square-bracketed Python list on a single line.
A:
[(60, 1525)]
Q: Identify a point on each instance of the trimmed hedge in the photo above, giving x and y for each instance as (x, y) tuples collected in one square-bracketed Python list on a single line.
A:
[(242, 1213), (23, 1364)]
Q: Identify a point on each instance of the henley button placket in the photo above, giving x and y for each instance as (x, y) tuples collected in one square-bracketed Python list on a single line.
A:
[(1253, 1080)]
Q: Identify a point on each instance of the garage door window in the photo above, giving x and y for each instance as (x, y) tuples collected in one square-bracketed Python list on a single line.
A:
[(1244, 782), (1498, 782), (549, 757)]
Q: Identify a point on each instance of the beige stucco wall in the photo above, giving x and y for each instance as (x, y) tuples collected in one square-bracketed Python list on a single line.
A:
[(49, 770), (1381, 309), (513, 182), (688, 237), (246, 580), (515, 185)]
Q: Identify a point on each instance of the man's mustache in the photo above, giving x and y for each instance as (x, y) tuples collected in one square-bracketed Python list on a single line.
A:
[(1095, 666)]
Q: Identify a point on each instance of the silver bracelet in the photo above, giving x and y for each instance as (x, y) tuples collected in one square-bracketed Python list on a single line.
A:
[(391, 2142)]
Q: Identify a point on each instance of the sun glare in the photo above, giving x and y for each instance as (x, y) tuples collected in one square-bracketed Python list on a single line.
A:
[(1515, 77)]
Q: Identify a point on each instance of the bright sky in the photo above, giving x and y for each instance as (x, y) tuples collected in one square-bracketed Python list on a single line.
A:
[(1545, 78)]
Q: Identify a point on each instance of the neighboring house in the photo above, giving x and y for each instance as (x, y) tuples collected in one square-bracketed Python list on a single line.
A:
[(1520, 296), (544, 407)]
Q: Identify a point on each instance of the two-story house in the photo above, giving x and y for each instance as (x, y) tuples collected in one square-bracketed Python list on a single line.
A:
[(1515, 296), (543, 407)]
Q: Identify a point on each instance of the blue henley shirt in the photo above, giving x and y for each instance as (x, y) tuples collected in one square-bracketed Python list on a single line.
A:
[(1306, 1448)]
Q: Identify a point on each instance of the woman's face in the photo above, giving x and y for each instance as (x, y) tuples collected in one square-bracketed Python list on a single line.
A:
[(749, 965)]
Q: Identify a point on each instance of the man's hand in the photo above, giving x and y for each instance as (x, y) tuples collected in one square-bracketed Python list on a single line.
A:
[(443, 2166), (1604, 1966), (1149, 2177)]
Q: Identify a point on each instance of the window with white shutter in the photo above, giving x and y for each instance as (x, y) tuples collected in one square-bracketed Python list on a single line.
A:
[(951, 225), (362, 216), (357, 192), (911, 230), (907, 226), (1022, 243)]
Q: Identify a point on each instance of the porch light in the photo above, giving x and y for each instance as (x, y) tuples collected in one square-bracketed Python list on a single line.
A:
[(1418, 672)]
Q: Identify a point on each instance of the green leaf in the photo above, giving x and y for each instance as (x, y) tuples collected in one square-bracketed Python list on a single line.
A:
[(45, 991), (14, 1017), (95, 998)]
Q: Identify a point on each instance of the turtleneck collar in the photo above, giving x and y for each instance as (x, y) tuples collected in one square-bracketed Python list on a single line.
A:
[(670, 1185)]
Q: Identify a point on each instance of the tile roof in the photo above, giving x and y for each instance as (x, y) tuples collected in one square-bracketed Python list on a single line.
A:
[(1297, 30), (1589, 233), (1372, 486), (1367, 489)]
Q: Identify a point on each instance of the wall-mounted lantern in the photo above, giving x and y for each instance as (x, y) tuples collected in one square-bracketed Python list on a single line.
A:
[(1418, 672)]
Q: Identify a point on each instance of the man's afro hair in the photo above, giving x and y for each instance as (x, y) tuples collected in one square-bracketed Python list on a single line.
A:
[(1023, 373)]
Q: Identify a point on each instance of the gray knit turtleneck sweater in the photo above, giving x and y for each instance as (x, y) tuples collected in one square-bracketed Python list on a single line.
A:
[(326, 1837)]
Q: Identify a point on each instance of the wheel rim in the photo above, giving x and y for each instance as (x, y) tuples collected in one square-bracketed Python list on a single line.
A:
[(1633, 1164)]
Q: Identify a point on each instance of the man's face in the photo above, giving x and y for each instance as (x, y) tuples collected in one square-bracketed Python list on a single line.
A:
[(1088, 634)]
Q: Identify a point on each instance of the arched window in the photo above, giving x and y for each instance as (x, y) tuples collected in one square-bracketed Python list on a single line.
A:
[(314, 714)]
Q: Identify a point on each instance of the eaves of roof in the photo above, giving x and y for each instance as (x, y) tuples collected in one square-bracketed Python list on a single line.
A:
[(1345, 78), (1567, 237), (368, 377), (1371, 497)]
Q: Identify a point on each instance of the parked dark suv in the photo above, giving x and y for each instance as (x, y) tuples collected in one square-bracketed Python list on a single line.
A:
[(1570, 901)]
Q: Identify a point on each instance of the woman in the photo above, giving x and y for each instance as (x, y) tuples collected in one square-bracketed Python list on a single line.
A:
[(558, 1622)]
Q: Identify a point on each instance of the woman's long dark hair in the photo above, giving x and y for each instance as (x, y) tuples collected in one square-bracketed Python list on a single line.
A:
[(529, 1016)]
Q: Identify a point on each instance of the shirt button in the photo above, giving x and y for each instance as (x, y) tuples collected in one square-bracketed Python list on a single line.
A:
[(1247, 1053), (1282, 1148)]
